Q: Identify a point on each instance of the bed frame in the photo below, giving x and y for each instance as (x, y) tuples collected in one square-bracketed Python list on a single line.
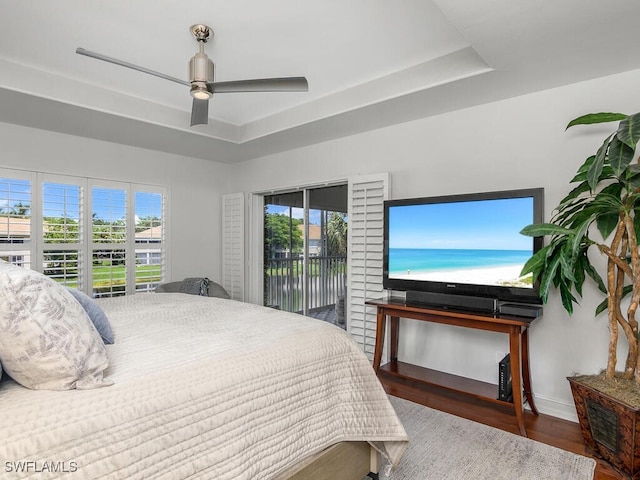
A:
[(342, 461)]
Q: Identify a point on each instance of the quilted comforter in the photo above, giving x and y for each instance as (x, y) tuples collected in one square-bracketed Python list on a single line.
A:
[(203, 388)]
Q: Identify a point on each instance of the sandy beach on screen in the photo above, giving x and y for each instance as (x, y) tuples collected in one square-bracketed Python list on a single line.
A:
[(509, 274)]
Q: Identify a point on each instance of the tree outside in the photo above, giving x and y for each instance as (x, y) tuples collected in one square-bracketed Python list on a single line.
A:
[(281, 234), (337, 229)]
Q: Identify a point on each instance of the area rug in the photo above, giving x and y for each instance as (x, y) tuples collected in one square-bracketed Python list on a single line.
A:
[(446, 447)]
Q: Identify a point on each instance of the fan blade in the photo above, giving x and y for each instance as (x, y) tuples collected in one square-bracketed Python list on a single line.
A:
[(99, 56), (286, 84), (200, 112)]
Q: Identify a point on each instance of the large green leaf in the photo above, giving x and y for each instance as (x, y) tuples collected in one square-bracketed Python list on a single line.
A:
[(581, 174), (629, 130), (620, 155), (580, 201), (595, 276), (609, 198), (567, 298), (567, 268), (608, 206), (541, 229), (583, 187), (606, 173), (602, 306), (570, 215), (633, 180), (548, 274), (536, 263), (607, 224), (584, 216), (602, 117), (576, 241), (595, 169), (613, 191), (578, 272)]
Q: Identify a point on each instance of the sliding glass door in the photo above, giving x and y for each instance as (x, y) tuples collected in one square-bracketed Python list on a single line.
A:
[(305, 251)]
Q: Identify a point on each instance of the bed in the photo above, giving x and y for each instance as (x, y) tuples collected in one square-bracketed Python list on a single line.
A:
[(202, 387)]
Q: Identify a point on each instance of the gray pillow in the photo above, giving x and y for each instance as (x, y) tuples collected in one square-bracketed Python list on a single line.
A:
[(195, 286), (96, 314), (216, 290)]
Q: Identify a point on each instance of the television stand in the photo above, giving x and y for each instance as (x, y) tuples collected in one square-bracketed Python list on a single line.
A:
[(515, 327)]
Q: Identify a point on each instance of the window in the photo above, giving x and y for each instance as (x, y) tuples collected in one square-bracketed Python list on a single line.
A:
[(109, 233), (61, 222), (106, 238), (149, 239), (15, 220)]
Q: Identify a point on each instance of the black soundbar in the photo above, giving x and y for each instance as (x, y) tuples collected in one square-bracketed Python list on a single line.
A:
[(444, 300)]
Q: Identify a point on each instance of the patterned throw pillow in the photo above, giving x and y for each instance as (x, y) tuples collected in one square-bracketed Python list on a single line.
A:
[(47, 341)]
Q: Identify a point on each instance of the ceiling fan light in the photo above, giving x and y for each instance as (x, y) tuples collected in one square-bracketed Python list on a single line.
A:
[(199, 91)]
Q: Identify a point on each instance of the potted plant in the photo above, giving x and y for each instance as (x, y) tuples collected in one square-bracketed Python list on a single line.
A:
[(602, 213)]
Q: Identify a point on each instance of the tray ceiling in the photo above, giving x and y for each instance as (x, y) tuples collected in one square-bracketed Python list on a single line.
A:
[(369, 63)]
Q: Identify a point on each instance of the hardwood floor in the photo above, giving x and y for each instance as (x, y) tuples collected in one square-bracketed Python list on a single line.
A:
[(543, 428)]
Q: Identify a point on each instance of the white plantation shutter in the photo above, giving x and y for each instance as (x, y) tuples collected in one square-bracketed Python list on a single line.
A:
[(62, 250), (17, 234), (366, 202), (233, 245)]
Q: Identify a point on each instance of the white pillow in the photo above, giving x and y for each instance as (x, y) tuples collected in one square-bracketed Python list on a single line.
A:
[(47, 341)]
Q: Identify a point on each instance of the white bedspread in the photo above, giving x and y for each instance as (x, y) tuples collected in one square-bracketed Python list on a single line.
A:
[(203, 388)]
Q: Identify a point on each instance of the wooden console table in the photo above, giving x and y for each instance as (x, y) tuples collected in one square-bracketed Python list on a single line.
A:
[(515, 327)]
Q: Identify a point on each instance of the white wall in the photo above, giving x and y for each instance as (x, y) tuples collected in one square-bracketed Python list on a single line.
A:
[(194, 185), (511, 144), (515, 143)]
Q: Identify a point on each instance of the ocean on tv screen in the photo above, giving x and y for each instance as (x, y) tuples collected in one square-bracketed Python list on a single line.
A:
[(478, 267)]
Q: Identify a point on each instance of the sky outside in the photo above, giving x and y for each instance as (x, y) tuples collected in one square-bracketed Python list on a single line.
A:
[(296, 212), (63, 200), (484, 224)]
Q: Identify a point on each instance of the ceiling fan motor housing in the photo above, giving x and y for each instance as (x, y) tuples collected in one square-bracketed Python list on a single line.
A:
[(201, 68), (201, 72)]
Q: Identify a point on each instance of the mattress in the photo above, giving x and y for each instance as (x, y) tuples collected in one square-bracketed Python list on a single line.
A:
[(203, 387)]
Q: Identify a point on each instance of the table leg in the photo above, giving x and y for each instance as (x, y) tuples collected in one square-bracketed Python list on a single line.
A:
[(381, 320), (514, 355), (395, 335), (526, 373)]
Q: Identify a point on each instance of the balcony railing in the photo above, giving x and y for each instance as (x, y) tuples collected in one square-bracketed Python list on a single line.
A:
[(284, 282)]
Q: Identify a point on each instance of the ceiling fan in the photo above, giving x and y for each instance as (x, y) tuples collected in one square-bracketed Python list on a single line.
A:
[(201, 78)]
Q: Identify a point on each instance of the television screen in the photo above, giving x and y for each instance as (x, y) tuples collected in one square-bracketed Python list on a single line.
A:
[(463, 244)]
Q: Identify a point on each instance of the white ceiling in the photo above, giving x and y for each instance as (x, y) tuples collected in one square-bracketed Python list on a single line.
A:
[(369, 63)]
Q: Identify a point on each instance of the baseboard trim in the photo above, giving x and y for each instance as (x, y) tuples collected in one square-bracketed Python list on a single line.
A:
[(556, 408)]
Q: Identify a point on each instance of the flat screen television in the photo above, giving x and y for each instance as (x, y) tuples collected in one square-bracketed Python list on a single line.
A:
[(463, 244)]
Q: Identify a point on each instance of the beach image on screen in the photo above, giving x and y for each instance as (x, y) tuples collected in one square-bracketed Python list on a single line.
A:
[(473, 242)]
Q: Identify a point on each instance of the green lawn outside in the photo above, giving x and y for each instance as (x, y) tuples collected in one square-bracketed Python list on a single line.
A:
[(104, 276)]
